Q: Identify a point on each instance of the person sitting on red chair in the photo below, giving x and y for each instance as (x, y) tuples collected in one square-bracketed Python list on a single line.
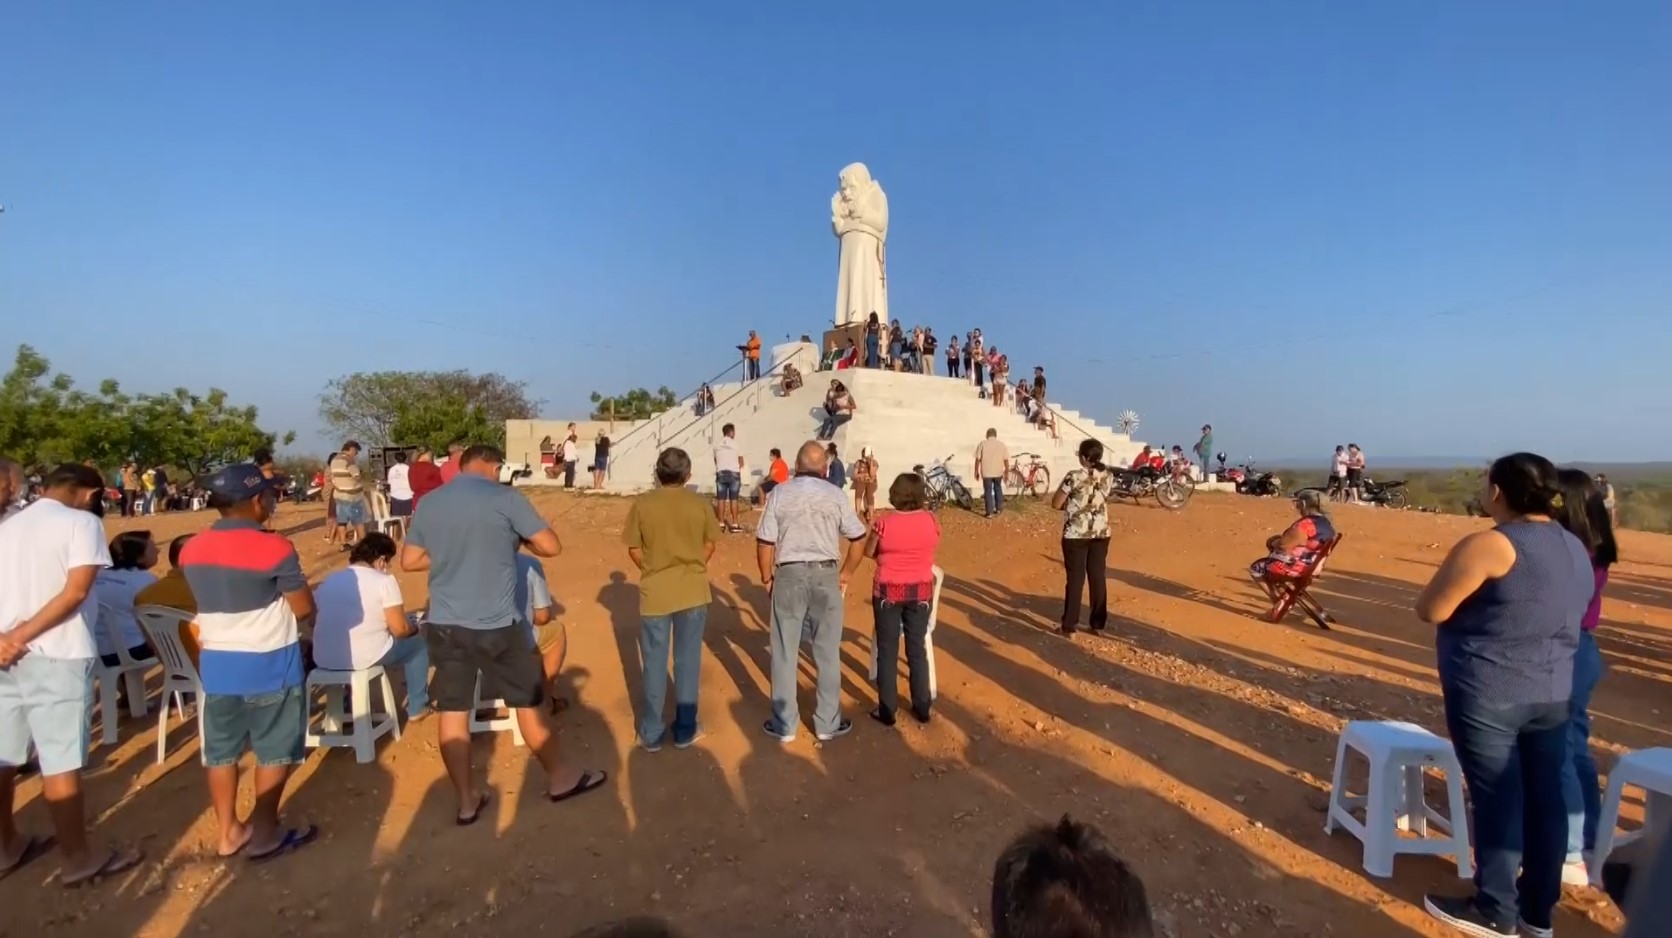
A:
[(1291, 553)]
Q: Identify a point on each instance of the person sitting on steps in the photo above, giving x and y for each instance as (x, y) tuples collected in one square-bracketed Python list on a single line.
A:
[(839, 408), (792, 378)]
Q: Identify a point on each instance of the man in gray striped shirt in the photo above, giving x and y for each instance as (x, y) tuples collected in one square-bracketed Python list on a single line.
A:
[(809, 542)]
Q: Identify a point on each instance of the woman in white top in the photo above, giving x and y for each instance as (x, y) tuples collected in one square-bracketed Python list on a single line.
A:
[(362, 621), (132, 555), (400, 488)]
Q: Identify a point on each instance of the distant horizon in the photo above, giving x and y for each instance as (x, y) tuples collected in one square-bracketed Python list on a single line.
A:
[(1429, 230)]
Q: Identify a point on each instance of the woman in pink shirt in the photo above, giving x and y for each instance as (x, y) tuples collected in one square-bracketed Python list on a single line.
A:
[(903, 543), (1585, 515)]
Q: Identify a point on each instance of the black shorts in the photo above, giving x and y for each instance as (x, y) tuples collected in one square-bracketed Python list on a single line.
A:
[(509, 671), (1355, 478)]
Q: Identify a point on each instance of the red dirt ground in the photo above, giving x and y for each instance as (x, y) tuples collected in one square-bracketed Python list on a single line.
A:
[(1198, 737)]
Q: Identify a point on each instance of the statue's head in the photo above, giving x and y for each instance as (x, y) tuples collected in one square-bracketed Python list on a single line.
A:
[(854, 179)]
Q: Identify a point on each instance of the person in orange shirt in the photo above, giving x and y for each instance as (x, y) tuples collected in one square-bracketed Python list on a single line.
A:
[(776, 474), (752, 357), (174, 592)]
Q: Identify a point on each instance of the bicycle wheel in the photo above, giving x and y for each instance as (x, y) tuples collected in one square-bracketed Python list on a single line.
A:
[(1039, 481), (1014, 483), (1172, 494), (961, 496)]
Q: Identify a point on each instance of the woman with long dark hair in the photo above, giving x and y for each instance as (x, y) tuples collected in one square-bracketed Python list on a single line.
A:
[(1508, 602), (873, 342), (1083, 498), (1584, 512)]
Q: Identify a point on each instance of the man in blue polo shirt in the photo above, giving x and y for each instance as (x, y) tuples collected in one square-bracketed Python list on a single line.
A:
[(467, 536), (251, 596)]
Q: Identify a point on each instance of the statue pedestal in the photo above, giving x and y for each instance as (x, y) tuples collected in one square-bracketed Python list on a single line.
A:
[(841, 335)]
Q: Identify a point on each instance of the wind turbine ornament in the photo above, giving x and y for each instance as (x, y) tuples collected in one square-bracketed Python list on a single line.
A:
[(1127, 421)]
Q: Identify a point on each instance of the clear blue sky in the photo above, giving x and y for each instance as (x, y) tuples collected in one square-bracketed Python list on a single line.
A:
[(1431, 228)]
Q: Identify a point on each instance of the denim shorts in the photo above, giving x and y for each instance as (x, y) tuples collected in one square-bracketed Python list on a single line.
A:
[(270, 724), (351, 511), (45, 700), (728, 485)]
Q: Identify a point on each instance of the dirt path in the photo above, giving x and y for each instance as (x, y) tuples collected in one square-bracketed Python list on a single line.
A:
[(1198, 737)]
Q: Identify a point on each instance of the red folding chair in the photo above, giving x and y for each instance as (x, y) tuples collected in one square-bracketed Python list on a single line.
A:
[(1289, 594)]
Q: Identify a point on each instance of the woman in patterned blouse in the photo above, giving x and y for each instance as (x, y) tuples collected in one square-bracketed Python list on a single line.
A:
[(1083, 498)]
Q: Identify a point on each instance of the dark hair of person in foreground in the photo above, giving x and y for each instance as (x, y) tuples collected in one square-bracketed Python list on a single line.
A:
[(645, 927), (1066, 881)]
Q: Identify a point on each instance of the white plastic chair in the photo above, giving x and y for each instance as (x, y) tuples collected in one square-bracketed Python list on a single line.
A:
[(928, 639), (382, 520), (162, 626), (492, 724), (367, 727), (1648, 769), (127, 670), (1398, 753)]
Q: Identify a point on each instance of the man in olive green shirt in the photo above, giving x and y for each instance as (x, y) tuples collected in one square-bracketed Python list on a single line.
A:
[(670, 535)]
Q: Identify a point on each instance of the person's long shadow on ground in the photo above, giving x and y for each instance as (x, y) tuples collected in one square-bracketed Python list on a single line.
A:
[(621, 599)]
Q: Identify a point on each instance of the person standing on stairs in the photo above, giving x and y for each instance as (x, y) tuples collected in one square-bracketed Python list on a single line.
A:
[(728, 478), (927, 359), (873, 342), (752, 357), (954, 357)]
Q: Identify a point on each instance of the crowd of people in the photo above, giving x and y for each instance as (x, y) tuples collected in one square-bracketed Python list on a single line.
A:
[(1514, 607)]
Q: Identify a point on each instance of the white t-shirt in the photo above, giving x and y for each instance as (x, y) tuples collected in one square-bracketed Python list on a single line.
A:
[(569, 454), (351, 632), (1341, 465), (399, 488), (115, 590), (726, 455), (39, 546)]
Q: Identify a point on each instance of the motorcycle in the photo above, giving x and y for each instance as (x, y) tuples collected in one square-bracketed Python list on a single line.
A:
[(1232, 475), (1257, 483), (1386, 494), (1170, 491)]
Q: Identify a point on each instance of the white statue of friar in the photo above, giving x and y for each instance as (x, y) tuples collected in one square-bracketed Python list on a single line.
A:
[(859, 217)]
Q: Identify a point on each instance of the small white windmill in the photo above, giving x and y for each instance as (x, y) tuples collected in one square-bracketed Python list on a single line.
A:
[(1127, 422)]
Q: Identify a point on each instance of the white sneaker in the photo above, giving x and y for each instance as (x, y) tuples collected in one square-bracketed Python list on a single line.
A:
[(1533, 931), (1575, 874)]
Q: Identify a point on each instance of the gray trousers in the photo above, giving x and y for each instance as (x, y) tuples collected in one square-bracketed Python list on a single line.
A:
[(807, 595)]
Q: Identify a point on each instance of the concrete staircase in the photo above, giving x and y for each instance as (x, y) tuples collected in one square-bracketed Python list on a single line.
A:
[(908, 419), (917, 420)]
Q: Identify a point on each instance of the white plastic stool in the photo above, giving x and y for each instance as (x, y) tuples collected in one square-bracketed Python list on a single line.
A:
[(494, 724), (367, 727), (1648, 769), (1398, 753)]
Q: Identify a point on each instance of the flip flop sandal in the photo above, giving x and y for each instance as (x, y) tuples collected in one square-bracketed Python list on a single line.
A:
[(36, 848), (293, 839), (589, 781), (116, 863), (481, 803)]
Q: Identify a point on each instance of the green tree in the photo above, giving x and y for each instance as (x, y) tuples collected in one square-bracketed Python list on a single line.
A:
[(424, 408), (637, 404), (49, 420)]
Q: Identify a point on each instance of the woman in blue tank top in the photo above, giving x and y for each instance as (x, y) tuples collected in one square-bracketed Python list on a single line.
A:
[(1507, 603)]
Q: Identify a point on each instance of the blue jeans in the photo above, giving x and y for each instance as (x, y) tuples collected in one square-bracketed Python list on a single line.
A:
[(685, 628), (1580, 789), (806, 596), (413, 656), (1514, 758), (873, 357), (992, 495), (827, 430)]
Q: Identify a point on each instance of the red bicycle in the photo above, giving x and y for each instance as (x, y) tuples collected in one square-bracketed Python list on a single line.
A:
[(1034, 479)]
